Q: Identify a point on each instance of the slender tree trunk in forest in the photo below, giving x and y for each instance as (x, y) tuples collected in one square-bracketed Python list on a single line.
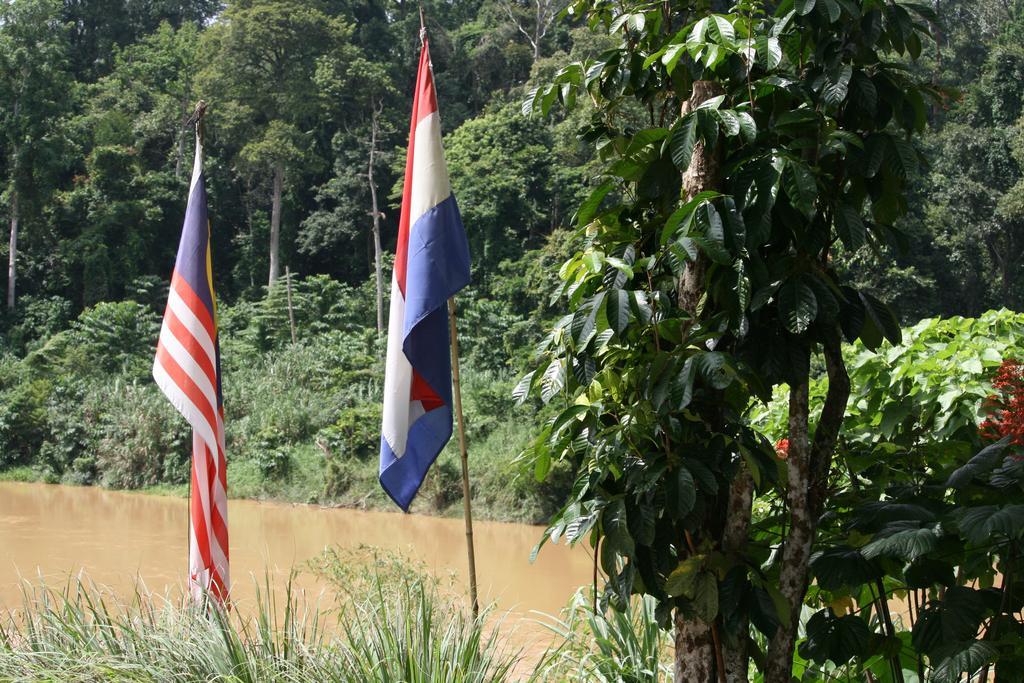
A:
[(275, 223), (378, 268), (734, 541), (808, 463), (698, 650), (12, 261)]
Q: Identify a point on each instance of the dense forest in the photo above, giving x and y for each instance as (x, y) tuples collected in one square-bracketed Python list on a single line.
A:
[(305, 133)]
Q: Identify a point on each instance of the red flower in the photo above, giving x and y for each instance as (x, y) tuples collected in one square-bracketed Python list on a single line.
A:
[(782, 449), (1005, 408)]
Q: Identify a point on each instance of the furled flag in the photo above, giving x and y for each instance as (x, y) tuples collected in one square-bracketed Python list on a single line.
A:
[(187, 370), (431, 265)]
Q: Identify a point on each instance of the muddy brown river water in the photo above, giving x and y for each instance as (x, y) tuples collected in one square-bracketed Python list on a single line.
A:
[(116, 539)]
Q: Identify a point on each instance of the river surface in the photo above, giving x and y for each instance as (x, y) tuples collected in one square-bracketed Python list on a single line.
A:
[(115, 539)]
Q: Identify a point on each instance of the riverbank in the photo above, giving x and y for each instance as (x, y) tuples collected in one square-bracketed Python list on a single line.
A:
[(501, 492), (303, 418)]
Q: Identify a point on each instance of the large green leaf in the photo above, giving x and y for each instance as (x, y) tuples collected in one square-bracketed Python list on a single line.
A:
[(969, 660), (683, 579), (838, 639), (842, 566), (588, 209), (837, 85), (801, 187), (953, 619), (987, 523), (705, 596), (906, 544), (797, 305), (619, 312), (850, 226), (684, 137), (982, 463)]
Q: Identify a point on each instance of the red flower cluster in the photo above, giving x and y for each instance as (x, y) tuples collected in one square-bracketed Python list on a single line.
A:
[(1006, 407), (782, 449)]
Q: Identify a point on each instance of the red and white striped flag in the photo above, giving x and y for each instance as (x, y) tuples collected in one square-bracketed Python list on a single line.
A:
[(187, 370)]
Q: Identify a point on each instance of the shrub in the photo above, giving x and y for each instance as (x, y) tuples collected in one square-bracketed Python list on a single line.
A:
[(144, 440), (353, 439), (113, 337), (22, 417)]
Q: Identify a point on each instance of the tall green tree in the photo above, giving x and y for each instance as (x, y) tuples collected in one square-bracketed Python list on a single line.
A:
[(119, 220), (260, 61), (501, 165), (35, 86), (707, 279)]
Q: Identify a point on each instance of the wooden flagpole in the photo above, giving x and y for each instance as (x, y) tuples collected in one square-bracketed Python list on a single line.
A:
[(466, 504)]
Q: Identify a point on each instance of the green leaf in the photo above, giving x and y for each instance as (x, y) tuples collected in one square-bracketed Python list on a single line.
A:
[(730, 122), (838, 639), (803, 7), (748, 128), (589, 207), (850, 226), (906, 544), (594, 260), (724, 30), (837, 85), (684, 214), (768, 51), (883, 317), (715, 368), (831, 8), (542, 465), (585, 321), (713, 249), (982, 463), (705, 598), (801, 188), (968, 660), (840, 567), (980, 524), (683, 578), (684, 496), (797, 305), (927, 573), (953, 619), (683, 139), (619, 312), (522, 388), (553, 380)]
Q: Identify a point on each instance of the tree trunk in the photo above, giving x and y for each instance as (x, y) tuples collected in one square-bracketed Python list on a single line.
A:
[(696, 641), (275, 223), (797, 550), (809, 465), (12, 261), (378, 268), (702, 174), (734, 541), (695, 656)]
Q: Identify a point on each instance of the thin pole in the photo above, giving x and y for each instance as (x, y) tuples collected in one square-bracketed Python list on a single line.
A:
[(466, 504), (197, 119), (291, 313)]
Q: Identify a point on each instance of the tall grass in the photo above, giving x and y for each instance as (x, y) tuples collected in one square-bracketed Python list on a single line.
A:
[(78, 634), (623, 647), (394, 623)]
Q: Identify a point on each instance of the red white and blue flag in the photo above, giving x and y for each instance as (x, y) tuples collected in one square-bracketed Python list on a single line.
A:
[(187, 370), (431, 265)]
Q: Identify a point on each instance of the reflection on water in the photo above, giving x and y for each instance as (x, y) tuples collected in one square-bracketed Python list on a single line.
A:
[(114, 537)]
